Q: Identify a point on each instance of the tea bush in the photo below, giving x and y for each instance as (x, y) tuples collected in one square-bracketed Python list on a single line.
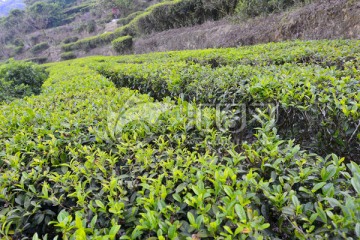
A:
[(180, 13), (70, 40), (122, 44), (90, 158), (129, 18), (91, 26), (304, 82), (38, 48), (67, 56), (87, 44), (19, 79)]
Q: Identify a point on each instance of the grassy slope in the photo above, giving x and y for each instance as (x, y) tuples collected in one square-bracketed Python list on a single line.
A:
[(71, 155)]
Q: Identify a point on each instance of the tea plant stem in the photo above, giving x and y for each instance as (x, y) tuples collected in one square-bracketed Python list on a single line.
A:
[(353, 134), (297, 228)]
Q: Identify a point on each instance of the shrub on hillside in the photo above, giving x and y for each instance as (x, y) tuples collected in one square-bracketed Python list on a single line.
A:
[(91, 26), (19, 79), (39, 60), (128, 19), (89, 43), (15, 49), (122, 44), (70, 40), (38, 48), (67, 56), (19, 42), (19, 49)]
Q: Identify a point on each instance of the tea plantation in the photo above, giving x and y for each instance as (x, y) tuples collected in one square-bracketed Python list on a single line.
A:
[(258, 142)]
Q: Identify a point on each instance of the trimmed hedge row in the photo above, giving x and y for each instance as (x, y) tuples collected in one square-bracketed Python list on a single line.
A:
[(128, 19), (122, 44), (304, 84), (38, 48), (67, 56), (70, 40), (87, 44)]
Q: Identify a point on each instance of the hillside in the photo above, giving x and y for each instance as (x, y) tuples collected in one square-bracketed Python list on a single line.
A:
[(334, 19), (38, 32), (85, 28), (258, 142)]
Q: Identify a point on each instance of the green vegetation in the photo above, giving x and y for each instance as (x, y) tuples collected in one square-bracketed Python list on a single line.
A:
[(70, 40), (129, 18), (38, 48), (20, 79), (90, 158), (39, 60), (92, 42), (78, 9), (67, 56), (122, 44)]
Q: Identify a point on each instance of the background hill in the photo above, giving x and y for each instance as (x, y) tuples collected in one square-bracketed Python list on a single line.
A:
[(48, 30)]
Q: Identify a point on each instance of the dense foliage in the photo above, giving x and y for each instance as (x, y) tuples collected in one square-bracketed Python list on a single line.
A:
[(67, 56), (90, 158), (19, 79), (122, 44)]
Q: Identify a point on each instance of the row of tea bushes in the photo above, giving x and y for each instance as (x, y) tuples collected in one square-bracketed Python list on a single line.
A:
[(87, 159), (318, 97)]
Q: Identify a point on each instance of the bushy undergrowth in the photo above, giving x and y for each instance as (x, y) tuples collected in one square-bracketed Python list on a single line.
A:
[(19, 79), (87, 159)]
